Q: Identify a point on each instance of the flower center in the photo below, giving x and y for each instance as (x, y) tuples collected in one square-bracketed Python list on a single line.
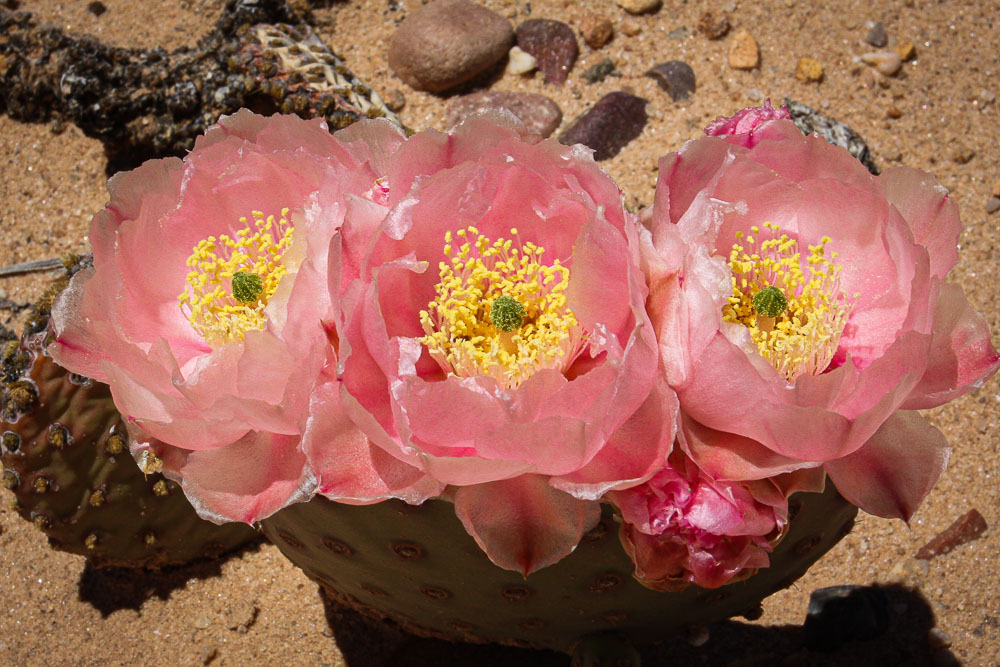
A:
[(795, 316), (232, 279), (500, 311)]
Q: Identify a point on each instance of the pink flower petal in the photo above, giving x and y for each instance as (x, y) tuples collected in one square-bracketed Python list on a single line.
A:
[(893, 472), (523, 524)]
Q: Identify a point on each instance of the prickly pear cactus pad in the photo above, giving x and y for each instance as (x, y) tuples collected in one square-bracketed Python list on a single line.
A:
[(65, 457), (417, 566)]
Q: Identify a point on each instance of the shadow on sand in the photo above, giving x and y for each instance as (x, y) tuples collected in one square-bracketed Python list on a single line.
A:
[(109, 589), (366, 643)]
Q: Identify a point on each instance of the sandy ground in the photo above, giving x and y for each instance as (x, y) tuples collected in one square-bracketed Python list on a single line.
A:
[(55, 610)]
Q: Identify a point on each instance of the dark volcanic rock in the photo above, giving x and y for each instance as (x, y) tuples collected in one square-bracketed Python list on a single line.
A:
[(606, 127), (599, 71), (675, 77), (877, 36), (447, 43), (553, 44), (539, 113), (840, 615)]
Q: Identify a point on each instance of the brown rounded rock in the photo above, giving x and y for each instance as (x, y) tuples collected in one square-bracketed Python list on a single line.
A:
[(596, 31), (448, 42), (553, 44), (713, 24), (539, 113)]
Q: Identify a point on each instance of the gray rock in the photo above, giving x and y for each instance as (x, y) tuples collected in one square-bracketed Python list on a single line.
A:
[(539, 113), (992, 205), (609, 125), (599, 72), (553, 44), (877, 36), (447, 43), (676, 77), (808, 120)]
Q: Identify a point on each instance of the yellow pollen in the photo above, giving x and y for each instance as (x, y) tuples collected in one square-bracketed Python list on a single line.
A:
[(208, 301), (804, 338), (460, 335)]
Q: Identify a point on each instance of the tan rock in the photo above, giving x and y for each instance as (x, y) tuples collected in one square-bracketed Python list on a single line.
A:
[(996, 189), (743, 51), (886, 62), (906, 49), (640, 6), (596, 31), (631, 28), (808, 70)]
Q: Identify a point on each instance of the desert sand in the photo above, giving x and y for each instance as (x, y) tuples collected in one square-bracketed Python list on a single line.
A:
[(256, 608)]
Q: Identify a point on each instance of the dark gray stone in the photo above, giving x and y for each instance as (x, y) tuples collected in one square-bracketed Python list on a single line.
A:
[(877, 36), (676, 77), (553, 44), (599, 72), (539, 113), (609, 125), (447, 43), (840, 615)]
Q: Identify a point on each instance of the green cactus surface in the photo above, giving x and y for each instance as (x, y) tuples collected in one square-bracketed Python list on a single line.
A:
[(66, 459), (416, 566)]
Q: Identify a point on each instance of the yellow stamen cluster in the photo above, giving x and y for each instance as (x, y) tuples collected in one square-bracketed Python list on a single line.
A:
[(804, 337), (462, 338), (208, 300)]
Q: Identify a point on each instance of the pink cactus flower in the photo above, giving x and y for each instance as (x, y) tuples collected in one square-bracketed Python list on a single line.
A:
[(799, 302), (682, 527), (742, 125), (207, 309), (493, 334)]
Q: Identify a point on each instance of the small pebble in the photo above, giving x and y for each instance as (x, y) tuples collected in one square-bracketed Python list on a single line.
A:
[(599, 72), (996, 189), (640, 6), (906, 49), (203, 622), (520, 61), (743, 51), (992, 205), (893, 112), (698, 635), (609, 125), (631, 28), (713, 24), (839, 615), (3, 294), (938, 639), (553, 44), (886, 62), (596, 31), (448, 42), (961, 154), (679, 33), (96, 8), (808, 70), (208, 654), (676, 77), (877, 36), (968, 527), (539, 113), (394, 99)]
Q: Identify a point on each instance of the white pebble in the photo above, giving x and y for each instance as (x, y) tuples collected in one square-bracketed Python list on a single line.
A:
[(520, 61), (886, 62)]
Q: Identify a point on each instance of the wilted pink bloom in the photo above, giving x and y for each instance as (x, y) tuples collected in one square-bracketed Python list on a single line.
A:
[(799, 302), (743, 124), (494, 336), (207, 309), (683, 527)]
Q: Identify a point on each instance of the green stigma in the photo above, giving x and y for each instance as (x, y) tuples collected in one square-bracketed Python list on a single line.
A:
[(506, 313), (770, 302), (247, 287)]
